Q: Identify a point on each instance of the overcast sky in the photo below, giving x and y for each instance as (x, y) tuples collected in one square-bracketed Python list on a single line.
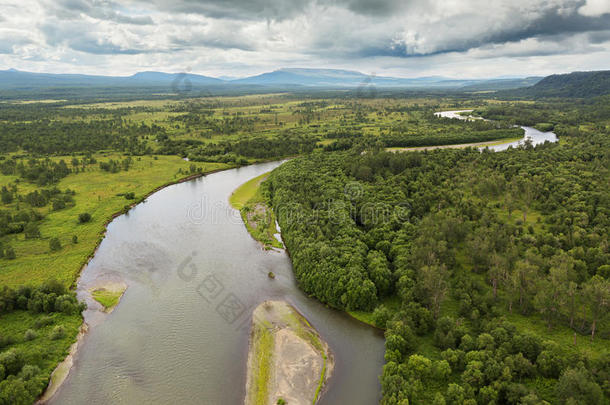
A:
[(405, 38)]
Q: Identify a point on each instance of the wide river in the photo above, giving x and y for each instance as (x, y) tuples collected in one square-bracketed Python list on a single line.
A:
[(180, 333)]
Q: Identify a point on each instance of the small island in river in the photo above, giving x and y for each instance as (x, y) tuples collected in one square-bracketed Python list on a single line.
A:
[(108, 294), (288, 362)]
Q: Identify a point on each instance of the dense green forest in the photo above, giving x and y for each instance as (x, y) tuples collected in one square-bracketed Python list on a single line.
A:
[(479, 265)]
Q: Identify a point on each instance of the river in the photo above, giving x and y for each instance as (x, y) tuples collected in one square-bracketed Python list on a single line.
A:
[(535, 136), (180, 333)]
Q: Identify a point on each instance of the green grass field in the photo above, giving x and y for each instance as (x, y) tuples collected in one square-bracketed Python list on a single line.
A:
[(244, 193), (97, 192)]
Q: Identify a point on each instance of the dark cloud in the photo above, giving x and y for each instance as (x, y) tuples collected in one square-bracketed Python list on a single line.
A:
[(236, 9), (554, 24), (599, 37), (378, 8), (75, 37), (218, 42), (102, 10), (279, 9), (97, 47)]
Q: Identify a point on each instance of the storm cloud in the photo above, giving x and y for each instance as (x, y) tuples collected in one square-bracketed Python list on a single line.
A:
[(239, 37)]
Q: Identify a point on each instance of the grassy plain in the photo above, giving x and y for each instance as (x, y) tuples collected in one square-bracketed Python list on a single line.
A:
[(98, 193)]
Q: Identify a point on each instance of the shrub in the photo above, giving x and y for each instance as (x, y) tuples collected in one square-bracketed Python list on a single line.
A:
[(12, 361), (43, 321), (439, 399), (419, 367), (74, 239), (29, 371), (9, 253), (6, 341), (57, 333), (550, 361), (455, 394), (54, 244), (84, 217), (58, 204), (400, 337), (446, 334), (31, 231), (455, 358), (485, 342), (381, 316), (30, 335), (422, 318), (575, 386)]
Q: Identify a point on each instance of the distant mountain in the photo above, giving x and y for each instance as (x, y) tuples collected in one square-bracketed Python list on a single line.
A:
[(15, 79), (160, 77), (503, 84), (576, 84), (282, 79), (333, 78)]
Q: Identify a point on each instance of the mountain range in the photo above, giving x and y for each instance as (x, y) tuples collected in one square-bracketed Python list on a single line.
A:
[(293, 77), (576, 84)]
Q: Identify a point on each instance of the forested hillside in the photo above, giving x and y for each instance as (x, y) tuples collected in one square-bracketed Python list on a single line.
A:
[(489, 271), (576, 84)]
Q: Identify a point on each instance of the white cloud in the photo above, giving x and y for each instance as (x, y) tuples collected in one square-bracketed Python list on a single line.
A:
[(594, 8), (240, 37)]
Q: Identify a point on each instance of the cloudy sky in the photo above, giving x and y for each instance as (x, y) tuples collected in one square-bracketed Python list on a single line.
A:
[(405, 38)]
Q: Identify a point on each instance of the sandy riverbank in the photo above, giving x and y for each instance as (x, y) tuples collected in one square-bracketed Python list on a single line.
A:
[(287, 359), (61, 371)]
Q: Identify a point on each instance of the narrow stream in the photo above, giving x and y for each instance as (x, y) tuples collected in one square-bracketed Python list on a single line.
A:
[(180, 333)]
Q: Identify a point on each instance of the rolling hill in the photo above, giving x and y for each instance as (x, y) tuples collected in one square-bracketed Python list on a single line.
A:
[(576, 84)]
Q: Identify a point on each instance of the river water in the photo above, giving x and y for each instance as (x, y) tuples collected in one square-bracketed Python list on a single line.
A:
[(180, 332), (535, 136)]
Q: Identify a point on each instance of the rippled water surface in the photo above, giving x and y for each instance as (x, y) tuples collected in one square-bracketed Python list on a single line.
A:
[(180, 333)]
